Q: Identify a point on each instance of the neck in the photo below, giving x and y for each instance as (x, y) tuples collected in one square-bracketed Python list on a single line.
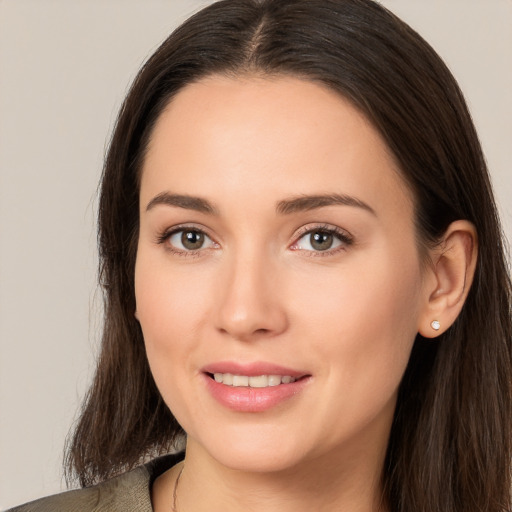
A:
[(319, 483)]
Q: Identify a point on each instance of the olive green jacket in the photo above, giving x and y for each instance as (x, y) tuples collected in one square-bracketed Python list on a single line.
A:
[(129, 492)]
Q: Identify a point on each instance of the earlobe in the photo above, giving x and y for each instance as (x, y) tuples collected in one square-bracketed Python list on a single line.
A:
[(452, 270)]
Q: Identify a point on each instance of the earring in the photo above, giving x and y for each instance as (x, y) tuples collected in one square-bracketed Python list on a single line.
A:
[(435, 325)]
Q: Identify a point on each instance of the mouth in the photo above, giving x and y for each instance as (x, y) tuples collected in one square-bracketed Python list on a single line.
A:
[(252, 381), (255, 387)]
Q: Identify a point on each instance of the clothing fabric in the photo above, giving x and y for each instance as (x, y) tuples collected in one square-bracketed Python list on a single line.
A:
[(129, 492)]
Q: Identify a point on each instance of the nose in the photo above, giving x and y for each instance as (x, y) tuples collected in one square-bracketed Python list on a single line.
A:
[(250, 304)]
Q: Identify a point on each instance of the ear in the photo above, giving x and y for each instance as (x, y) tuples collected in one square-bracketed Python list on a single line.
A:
[(449, 278), (136, 315)]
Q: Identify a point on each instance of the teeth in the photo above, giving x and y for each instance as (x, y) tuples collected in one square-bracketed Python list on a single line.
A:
[(240, 380), (274, 380), (260, 381)]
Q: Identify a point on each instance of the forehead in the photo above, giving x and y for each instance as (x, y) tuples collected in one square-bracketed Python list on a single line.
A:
[(275, 135)]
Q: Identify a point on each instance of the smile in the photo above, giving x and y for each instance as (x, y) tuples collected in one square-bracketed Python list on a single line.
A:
[(258, 381)]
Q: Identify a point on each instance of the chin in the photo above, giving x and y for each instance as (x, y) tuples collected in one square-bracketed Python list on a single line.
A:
[(257, 453), (251, 461)]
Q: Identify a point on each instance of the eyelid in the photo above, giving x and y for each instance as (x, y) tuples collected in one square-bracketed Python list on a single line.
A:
[(342, 235), (164, 236)]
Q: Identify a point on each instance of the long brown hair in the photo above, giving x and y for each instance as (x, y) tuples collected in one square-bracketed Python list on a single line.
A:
[(450, 445)]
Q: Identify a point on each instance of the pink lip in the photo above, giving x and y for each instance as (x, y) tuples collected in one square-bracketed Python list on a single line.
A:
[(252, 369), (247, 399)]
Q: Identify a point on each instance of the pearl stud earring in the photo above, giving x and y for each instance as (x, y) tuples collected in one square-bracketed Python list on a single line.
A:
[(435, 325)]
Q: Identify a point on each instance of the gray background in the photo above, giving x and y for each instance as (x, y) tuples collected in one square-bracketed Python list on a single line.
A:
[(65, 66)]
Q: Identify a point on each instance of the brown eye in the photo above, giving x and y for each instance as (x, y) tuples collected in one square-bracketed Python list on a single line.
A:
[(321, 240), (192, 240), (188, 240)]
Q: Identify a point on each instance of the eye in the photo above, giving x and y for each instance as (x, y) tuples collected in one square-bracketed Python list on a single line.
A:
[(188, 240), (322, 240)]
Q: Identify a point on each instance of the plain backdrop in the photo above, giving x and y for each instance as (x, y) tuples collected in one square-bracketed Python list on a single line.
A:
[(65, 66)]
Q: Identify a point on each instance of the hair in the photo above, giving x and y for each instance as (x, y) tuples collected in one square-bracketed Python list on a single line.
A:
[(450, 442)]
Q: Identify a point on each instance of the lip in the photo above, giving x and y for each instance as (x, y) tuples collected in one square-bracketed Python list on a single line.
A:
[(253, 400), (252, 369)]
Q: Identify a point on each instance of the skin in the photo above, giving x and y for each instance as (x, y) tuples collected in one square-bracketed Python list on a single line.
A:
[(257, 290)]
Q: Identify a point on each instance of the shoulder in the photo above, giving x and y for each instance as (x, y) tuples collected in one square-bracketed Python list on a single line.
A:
[(129, 492)]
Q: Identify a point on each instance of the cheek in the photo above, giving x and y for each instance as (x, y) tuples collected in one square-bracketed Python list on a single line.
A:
[(167, 301), (364, 320), (171, 308), (371, 292)]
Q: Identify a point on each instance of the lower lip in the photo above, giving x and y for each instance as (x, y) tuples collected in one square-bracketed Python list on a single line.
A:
[(247, 399)]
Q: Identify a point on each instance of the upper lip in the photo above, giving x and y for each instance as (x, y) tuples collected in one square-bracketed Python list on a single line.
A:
[(252, 369)]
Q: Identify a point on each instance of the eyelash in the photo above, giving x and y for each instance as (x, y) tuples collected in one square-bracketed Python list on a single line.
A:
[(344, 237), (163, 238)]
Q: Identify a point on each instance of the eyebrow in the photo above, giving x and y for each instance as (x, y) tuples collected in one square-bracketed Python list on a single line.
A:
[(182, 201), (306, 203), (285, 207)]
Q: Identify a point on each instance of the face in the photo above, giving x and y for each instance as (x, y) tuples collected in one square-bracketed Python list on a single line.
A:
[(278, 281)]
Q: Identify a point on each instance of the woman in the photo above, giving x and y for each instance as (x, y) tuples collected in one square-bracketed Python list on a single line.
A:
[(302, 261)]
